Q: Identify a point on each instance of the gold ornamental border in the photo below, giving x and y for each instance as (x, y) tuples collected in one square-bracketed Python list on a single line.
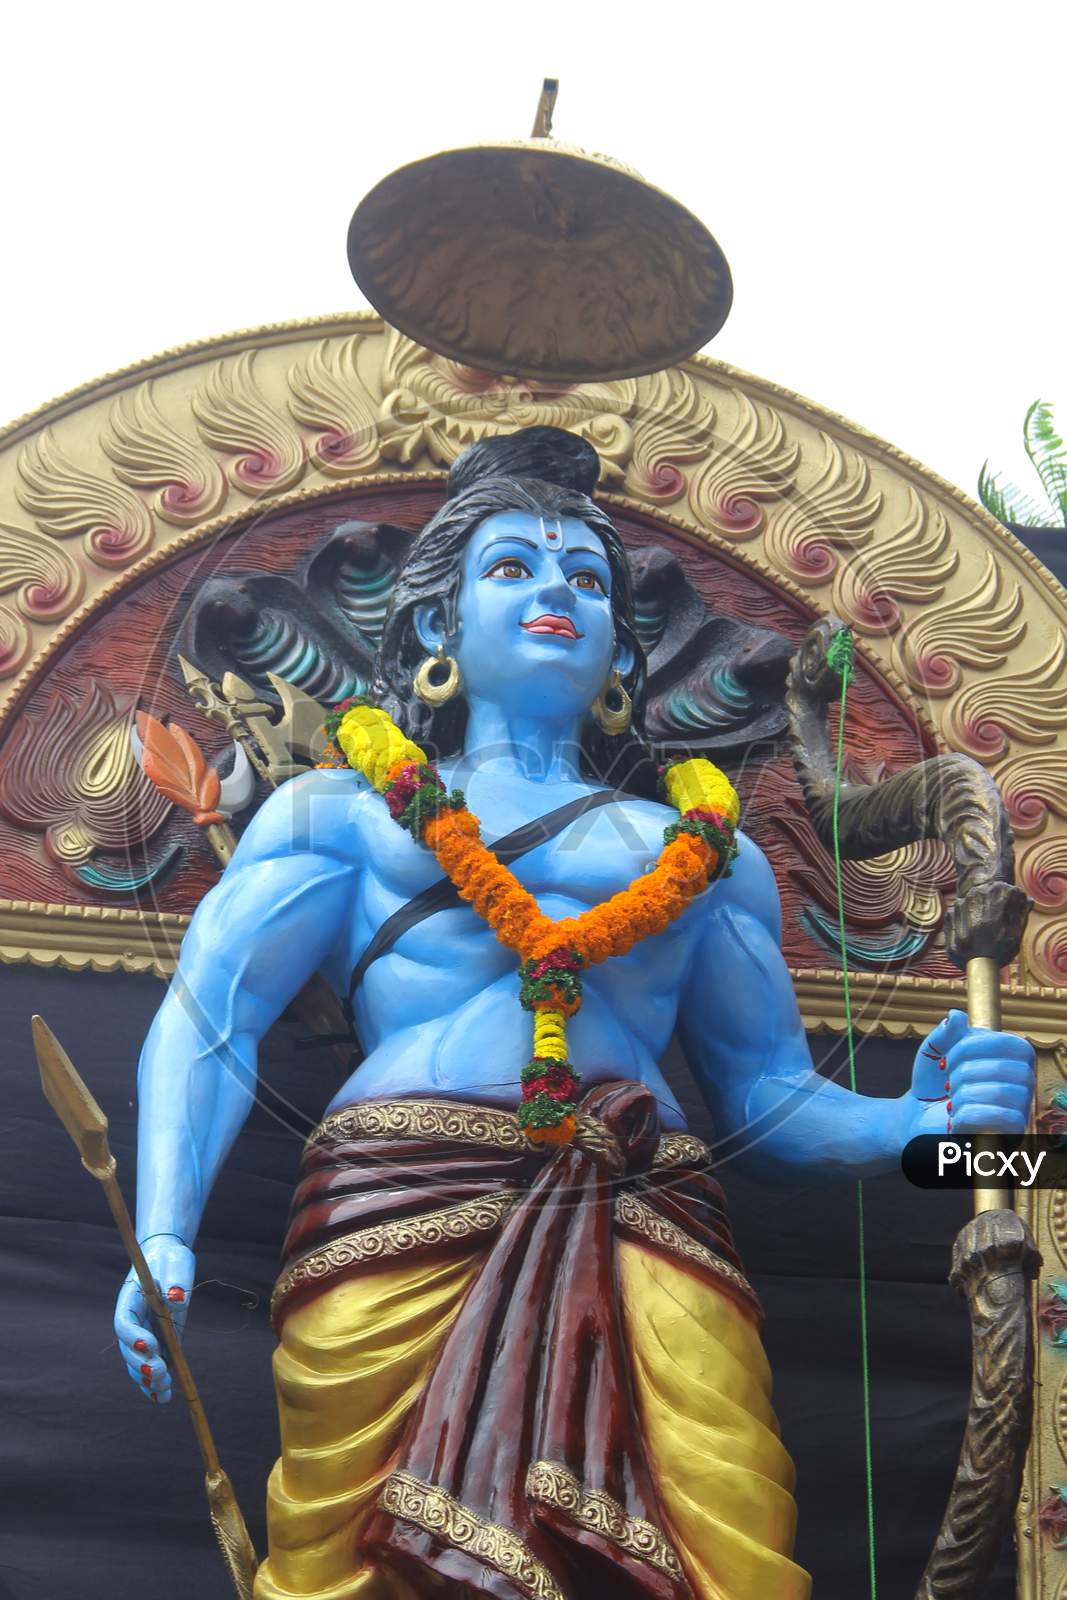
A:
[(180, 358), (177, 358)]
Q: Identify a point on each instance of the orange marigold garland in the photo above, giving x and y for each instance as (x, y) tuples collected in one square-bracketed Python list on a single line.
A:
[(697, 848)]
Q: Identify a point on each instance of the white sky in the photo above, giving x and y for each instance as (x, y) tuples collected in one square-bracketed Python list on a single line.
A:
[(888, 185)]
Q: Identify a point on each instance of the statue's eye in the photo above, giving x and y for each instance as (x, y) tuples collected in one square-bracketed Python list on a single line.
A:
[(510, 567), (587, 580)]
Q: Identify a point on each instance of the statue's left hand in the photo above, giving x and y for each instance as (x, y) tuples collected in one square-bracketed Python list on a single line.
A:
[(173, 1266), (989, 1077)]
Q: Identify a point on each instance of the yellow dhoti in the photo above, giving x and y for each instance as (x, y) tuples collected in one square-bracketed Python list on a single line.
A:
[(354, 1361)]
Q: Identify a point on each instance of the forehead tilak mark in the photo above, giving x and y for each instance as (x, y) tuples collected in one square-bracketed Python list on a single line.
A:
[(551, 533)]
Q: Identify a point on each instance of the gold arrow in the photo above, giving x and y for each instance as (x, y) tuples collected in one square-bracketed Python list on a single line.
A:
[(83, 1119)]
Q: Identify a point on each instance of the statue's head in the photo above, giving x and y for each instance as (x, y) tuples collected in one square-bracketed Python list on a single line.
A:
[(525, 583)]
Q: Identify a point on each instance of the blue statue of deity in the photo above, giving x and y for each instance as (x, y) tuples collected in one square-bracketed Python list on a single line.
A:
[(513, 1369)]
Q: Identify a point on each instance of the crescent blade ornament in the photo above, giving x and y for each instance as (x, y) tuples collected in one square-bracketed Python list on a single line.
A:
[(235, 789), (238, 786)]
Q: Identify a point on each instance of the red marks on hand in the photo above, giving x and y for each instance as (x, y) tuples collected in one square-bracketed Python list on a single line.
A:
[(146, 1371), (140, 1346), (176, 1294)]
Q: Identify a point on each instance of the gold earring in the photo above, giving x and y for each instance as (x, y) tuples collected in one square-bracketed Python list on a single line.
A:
[(613, 719), (435, 694)]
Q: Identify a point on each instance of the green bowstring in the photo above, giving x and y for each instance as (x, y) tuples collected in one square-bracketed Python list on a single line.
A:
[(840, 657)]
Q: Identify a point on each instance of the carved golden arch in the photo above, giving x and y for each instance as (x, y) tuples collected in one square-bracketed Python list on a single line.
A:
[(121, 475)]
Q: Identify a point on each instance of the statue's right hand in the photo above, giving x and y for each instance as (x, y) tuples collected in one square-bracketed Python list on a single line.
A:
[(173, 1266)]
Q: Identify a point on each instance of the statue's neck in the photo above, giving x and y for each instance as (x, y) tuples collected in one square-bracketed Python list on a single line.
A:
[(540, 749)]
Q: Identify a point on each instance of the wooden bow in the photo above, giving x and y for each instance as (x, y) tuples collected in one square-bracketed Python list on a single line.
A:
[(994, 1258)]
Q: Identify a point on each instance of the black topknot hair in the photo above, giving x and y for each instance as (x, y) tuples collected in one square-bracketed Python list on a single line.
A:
[(550, 455)]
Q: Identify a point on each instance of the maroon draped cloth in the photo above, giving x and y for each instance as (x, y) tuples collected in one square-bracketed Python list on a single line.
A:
[(521, 1471)]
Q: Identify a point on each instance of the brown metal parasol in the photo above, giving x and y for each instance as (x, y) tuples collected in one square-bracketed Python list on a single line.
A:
[(535, 258)]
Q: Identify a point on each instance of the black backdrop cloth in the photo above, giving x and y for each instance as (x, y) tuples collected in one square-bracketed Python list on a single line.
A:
[(101, 1493)]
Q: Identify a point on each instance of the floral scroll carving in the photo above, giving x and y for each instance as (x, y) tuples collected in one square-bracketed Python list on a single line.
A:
[(16, 642), (262, 449), (48, 583), (839, 511), (150, 453), (975, 630), (1042, 871), (1030, 705), (1033, 786), (912, 565), (327, 397), (673, 431), (71, 776), (68, 500), (1048, 953), (754, 464)]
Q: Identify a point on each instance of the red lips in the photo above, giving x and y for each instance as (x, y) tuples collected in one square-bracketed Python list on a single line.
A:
[(563, 627)]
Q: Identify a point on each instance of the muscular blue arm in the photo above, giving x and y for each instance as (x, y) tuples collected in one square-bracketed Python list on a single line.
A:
[(255, 939), (741, 1029), (270, 922)]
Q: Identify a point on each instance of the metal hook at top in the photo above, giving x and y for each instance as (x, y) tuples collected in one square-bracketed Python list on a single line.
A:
[(542, 127)]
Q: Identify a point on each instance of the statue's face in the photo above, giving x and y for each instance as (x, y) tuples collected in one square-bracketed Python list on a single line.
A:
[(536, 629)]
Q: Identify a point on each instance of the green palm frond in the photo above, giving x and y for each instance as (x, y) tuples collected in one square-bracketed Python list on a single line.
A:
[(1049, 455), (1009, 504)]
